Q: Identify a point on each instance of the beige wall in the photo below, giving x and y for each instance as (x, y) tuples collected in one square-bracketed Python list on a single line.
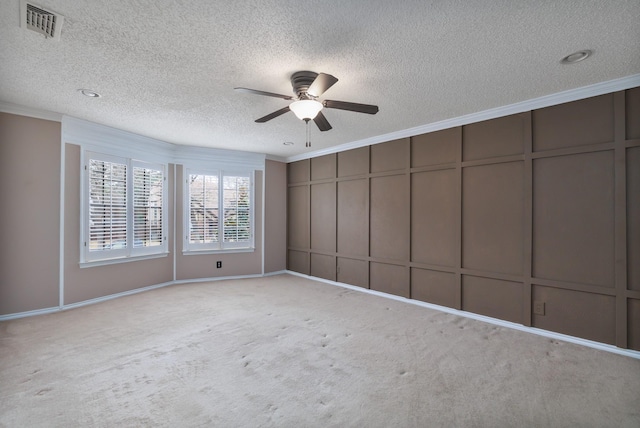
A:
[(29, 213), (275, 234), (92, 282), (30, 227), (233, 264)]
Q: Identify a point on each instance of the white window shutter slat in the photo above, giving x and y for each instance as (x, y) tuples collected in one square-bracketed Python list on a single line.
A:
[(125, 206)]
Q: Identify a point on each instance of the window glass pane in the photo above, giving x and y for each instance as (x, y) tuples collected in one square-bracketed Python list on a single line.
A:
[(147, 207), (124, 210), (219, 211), (203, 209), (107, 205), (236, 206)]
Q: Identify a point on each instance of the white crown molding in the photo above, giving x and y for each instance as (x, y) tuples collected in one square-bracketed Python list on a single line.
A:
[(217, 158), (536, 103), (276, 158), (29, 112), (192, 154), (117, 142), (112, 141)]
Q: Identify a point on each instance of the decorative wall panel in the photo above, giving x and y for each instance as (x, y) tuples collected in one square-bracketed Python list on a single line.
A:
[(299, 172), (391, 156), (632, 119), (389, 215), (388, 278), (493, 217), (353, 272), (298, 261), (323, 266), (433, 217), (352, 215), (298, 216), (634, 324), (576, 313), (633, 218), (434, 287), (573, 218), (323, 217), (492, 297), (532, 218), (579, 123), (353, 162), (504, 136), (435, 148), (323, 167)]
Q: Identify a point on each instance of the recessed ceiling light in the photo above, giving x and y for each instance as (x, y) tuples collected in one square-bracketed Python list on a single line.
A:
[(288, 143), (576, 57), (89, 93)]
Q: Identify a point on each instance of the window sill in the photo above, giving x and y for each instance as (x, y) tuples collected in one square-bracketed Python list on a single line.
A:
[(226, 251), (122, 260)]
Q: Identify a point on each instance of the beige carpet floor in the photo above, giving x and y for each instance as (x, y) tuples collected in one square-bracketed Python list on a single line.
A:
[(290, 352)]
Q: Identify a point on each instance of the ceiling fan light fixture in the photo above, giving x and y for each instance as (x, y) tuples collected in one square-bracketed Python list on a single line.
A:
[(305, 109)]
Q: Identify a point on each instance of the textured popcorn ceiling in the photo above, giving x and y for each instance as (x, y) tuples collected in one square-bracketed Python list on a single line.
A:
[(167, 69)]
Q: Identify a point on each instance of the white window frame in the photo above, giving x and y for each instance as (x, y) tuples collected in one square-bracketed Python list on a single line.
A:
[(220, 246), (93, 258)]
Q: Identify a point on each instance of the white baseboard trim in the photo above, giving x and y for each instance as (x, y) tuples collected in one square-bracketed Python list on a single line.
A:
[(29, 313), (115, 296), (122, 294), (483, 318), (216, 278), (280, 272)]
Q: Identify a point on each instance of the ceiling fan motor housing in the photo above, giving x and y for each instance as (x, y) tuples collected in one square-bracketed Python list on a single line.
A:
[(301, 80)]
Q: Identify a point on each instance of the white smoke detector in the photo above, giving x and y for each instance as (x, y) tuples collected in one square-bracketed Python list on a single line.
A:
[(36, 18)]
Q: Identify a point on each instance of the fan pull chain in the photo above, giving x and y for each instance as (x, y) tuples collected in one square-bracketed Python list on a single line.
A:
[(308, 143)]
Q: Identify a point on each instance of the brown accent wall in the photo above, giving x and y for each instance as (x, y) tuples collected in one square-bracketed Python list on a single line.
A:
[(87, 283), (194, 266), (29, 213), (532, 218), (275, 213)]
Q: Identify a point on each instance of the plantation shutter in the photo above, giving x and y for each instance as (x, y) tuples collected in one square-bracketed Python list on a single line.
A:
[(107, 206), (124, 208), (203, 209), (237, 209), (148, 193), (220, 211)]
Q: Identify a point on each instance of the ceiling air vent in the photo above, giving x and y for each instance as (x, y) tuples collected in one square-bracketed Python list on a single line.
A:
[(40, 20)]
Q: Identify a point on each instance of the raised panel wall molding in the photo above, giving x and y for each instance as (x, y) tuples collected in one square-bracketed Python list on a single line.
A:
[(473, 218)]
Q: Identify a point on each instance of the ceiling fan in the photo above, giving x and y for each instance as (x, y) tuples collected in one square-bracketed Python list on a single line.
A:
[(308, 86)]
